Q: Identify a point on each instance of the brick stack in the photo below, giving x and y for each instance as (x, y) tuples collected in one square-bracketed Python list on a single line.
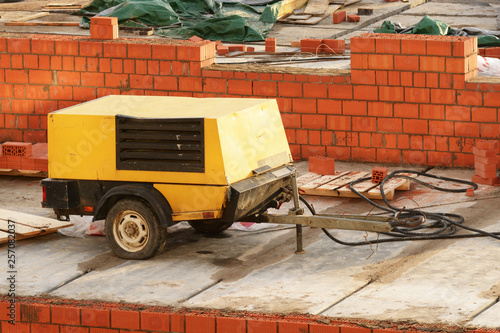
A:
[(104, 28), (270, 44), (379, 174), (24, 156), (322, 165), (485, 162), (334, 46)]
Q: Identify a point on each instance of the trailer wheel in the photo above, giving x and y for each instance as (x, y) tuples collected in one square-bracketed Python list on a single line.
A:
[(133, 230), (210, 226)]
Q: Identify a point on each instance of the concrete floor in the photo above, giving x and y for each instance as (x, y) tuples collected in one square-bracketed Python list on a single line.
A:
[(436, 282)]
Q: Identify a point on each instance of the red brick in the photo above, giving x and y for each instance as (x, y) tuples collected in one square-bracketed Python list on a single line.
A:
[(270, 44), (483, 153), (328, 106), (189, 53), (164, 52), (155, 321), (127, 319), (485, 181), (92, 79), (199, 323), (333, 46), (35, 313), (386, 156), (313, 121), (18, 45), (379, 174), (91, 49), (338, 91), (417, 95), (413, 47), (358, 154), (391, 125), (355, 108), (432, 64), (380, 109), (456, 65), (339, 16), (382, 78), (261, 88), (363, 77), (290, 89), (466, 129), (261, 326), (317, 90), (460, 113), (393, 94), (304, 105), (17, 328), (65, 315), (231, 325), (364, 124), (406, 110), (102, 20), (366, 93), (443, 96), (381, 61), (165, 83), (190, 84), (473, 98), (486, 160), (439, 47), (415, 126), (485, 167), (477, 172), (359, 61), (115, 50), (139, 51), (492, 99), (469, 192), (435, 158), (394, 78), (310, 45), (339, 123), (406, 63), (487, 144), (361, 44), (74, 329), (113, 80), (292, 327), (68, 78), (353, 18), (16, 76)]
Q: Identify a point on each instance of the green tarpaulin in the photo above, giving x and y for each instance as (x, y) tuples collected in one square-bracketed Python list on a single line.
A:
[(226, 21), (430, 26)]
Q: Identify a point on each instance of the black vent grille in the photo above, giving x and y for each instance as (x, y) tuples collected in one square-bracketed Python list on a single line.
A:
[(160, 144)]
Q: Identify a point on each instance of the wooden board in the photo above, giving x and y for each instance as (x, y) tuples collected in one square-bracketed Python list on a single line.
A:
[(30, 17), (57, 24), (288, 6), (307, 178), (28, 225), (338, 186), (316, 7), (311, 187), (315, 19)]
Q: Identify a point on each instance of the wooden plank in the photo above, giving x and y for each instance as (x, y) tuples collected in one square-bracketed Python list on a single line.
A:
[(389, 188), (342, 181), (316, 19), (288, 6), (30, 17), (33, 221), (311, 187), (20, 229), (299, 17), (308, 177), (316, 7), (4, 237), (55, 24)]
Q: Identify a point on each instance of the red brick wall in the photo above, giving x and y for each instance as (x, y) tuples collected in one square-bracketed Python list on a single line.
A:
[(65, 316), (407, 99)]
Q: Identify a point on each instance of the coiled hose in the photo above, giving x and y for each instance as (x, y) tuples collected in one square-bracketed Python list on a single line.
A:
[(437, 225)]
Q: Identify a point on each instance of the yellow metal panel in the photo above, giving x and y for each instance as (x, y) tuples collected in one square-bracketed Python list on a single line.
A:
[(240, 135), (251, 139), (195, 216), (192, 198), (84, 147)]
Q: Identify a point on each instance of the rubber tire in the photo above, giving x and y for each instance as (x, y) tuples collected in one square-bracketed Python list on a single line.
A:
[(156, 235), (210, 226)]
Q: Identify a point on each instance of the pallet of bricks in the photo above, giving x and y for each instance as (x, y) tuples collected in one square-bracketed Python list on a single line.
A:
[(23, 156), (323, 180)]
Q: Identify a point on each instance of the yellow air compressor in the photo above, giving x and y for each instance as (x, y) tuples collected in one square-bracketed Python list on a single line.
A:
[(144, 163)]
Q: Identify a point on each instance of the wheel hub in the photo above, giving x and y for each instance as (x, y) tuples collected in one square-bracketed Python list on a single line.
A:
[(131, 230)]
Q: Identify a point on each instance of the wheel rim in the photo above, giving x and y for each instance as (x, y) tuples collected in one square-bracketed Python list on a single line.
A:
[(131, 231)]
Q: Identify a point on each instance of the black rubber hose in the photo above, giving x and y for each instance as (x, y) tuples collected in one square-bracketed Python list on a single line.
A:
[(445, 223)]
